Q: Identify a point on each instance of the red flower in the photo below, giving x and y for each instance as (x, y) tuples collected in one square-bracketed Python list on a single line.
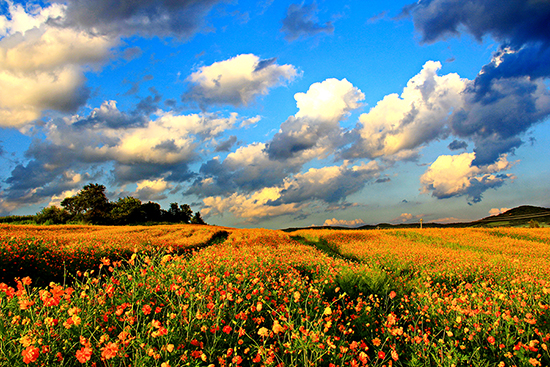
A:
[(147, 309), (491, 339), (84, 354), (381, 355), (30, 354), (393, 294), (109, 351), (227, 329)]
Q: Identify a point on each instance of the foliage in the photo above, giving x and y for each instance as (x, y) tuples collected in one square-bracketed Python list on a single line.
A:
[(52, 215), (91, 206)]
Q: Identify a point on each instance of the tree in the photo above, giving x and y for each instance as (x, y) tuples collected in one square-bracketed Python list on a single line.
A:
[(197, 219), (127, 210), (174, 212), (152, 212), (52, 215), (90, 204), (185, 213)]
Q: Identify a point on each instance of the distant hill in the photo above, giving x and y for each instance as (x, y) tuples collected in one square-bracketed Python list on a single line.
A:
[(516, 217)]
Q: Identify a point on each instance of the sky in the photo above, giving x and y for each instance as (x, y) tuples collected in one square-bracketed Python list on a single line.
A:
[(278, 114)]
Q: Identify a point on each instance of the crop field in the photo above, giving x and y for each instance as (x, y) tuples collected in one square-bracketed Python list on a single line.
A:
[(191, 295)]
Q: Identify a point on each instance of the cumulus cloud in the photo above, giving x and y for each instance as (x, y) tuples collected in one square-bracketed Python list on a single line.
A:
[(41, 67), (404, 122), (237, 81), (343, 223), (23, 18), (328, 185), (312, 132), (497, 121), (508, 96), (404, 217), (152, 190), (146, 17), (150, 152), (301, 21), (516, 22), (317, 123), (250, 207), (451, 176), (247, 169), (457, 145)]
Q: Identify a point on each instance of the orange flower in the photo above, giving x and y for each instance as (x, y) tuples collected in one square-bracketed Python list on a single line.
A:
[(109, 351), (84, 354), (392, 294), (147, 309), (30, 354), (376, 342), (491, 339), (227, 329)]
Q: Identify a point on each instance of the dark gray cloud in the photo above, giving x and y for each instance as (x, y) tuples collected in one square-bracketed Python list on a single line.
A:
[(149, 104), (301, 21), (246, 170), (108, 115), (532, 61), (330, 185), (297, 135), (457, 144), (508, 96), (181, 18), (514, 21), (506, 112), (130, 173), (226, 145), (131, 53)]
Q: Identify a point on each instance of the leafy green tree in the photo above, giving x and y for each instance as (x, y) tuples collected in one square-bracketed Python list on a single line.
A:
[(90, 204), (197, 219), (185, 213), (152, 212), (127, 210), (174, 212), (52, 215)]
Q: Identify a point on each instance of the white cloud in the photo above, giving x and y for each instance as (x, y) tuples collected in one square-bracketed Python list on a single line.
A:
[(315, 130), (329, 100), (24, 19), (343, 223), (57, 199), (328, 185), (42, 68), (251, 207), (237, 81), (455, 175), (167, 140), (152, 189), (414, 118), (404, 217)]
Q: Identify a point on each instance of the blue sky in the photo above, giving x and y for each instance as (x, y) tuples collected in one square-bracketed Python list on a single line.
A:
[(278, 113)]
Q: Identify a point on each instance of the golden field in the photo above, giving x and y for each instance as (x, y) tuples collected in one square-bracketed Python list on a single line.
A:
[(191, 295)]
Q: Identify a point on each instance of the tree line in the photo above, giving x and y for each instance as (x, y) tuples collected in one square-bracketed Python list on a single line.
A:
[(90, 205)]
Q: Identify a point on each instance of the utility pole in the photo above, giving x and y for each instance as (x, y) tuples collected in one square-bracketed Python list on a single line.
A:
[(420, 223)]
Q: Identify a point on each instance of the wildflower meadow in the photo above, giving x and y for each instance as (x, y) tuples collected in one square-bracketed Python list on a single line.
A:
[(194, 295)]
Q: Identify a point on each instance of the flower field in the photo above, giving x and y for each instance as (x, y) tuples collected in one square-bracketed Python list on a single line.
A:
[(134, 296)]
